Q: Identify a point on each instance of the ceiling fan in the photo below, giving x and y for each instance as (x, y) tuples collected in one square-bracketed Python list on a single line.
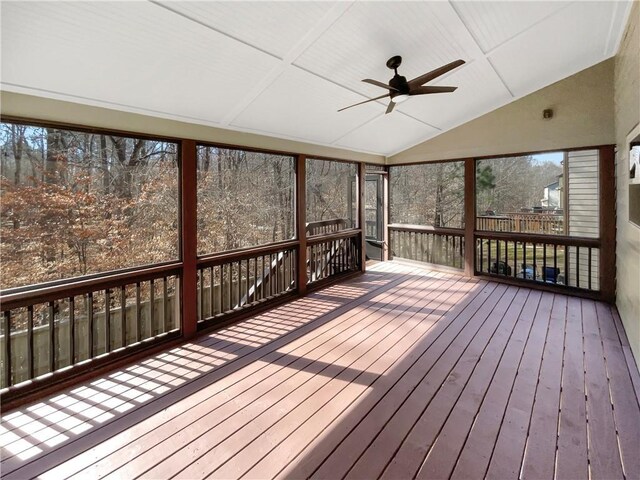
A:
[(400, 89)]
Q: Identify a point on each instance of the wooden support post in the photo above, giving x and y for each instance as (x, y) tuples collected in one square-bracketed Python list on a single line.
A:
[(361, 217), (385, 215), (301, 223), (607, 264), (189, 239), (469, 216)]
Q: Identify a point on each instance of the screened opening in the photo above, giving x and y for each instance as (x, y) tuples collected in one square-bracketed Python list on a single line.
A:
[(245, 199), (428, 194), (331, 196), (77, 203)]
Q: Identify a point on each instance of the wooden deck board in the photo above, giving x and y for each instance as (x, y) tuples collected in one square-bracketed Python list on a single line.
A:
[(399, 373)]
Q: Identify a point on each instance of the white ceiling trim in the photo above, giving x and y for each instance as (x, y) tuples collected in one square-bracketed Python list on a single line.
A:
[(325, 22), (424, 32)]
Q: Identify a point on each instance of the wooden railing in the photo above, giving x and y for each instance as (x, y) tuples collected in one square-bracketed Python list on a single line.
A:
[(236, 280), (538, 223), (571, 262), (440, 246), (332, 255), (325, 227), (54, 326)]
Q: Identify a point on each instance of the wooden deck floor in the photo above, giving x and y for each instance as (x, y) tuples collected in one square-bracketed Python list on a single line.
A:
[(400, 373)]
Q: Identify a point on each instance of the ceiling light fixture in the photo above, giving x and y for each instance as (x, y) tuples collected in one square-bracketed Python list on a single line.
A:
[(400, 98)]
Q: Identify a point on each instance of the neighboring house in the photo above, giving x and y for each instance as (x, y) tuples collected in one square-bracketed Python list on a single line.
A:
[(552, 197)]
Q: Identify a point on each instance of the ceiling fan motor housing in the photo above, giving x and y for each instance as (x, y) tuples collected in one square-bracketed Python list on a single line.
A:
[(400, 84)]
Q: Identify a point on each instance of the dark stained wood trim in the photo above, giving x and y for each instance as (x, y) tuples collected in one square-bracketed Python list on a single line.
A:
[(536, 238), (245, 253), (328, 237), (385, 214), (224, 320), (189, 236), (163, 138), (24, 298), (469, 216), (546, 287), (607, 179), (361, 215), (338, 278), (427, 229), (85, 129), (285, 153), (38, 388), (301, 223), (501, 155)]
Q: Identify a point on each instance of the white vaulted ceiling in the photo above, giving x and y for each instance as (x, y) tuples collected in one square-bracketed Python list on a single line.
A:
[(285, 68)]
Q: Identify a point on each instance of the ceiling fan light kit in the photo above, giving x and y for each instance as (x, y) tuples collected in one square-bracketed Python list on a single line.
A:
[(400, 90)]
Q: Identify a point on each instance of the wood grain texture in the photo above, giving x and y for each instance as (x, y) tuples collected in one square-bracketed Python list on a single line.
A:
[(401, 372)]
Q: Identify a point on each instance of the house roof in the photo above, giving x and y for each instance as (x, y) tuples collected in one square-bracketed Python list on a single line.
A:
[(284, 68)]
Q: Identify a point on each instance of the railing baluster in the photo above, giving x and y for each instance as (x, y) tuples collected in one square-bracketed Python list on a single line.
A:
[(30, 367), (535, 257), (489, 255), (263, 275), (555, 262), (7, 348), (544, 262), (107, 319), (138, 314), (201, 296), (577, 266), (123, 316), (589, 268), (221, 288), (52, 337), (524, 259), (90, 327), (506, 258), (152, 307), (566, 265), (481, 255), (230, 278), (165, 302), (239, 283), (248, 280)]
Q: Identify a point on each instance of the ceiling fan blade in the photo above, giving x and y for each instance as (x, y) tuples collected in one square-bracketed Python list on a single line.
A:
[(427, 77), (366, 101), (435, 89), (379, 84), (390, 107)]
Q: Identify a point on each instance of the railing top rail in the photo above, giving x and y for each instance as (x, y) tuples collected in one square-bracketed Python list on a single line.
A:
[(427, 229), (347, 233), (44, 294), (245, 253), (324, 223), (537, 238)]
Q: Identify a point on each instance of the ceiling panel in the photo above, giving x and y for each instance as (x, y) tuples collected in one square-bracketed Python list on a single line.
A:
[(388, 134), (479, 91), (135, 54), (211, 62), (270, 26), (426, 35), (567, 42), (493, 23), (319, 121)]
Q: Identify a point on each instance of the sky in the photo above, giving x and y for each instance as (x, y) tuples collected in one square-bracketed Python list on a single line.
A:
[(555, 157)]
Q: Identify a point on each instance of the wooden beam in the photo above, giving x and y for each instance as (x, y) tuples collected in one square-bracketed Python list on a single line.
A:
[(301, 223), (361, 216), (189, 237), (607, 265), (469, 216)]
